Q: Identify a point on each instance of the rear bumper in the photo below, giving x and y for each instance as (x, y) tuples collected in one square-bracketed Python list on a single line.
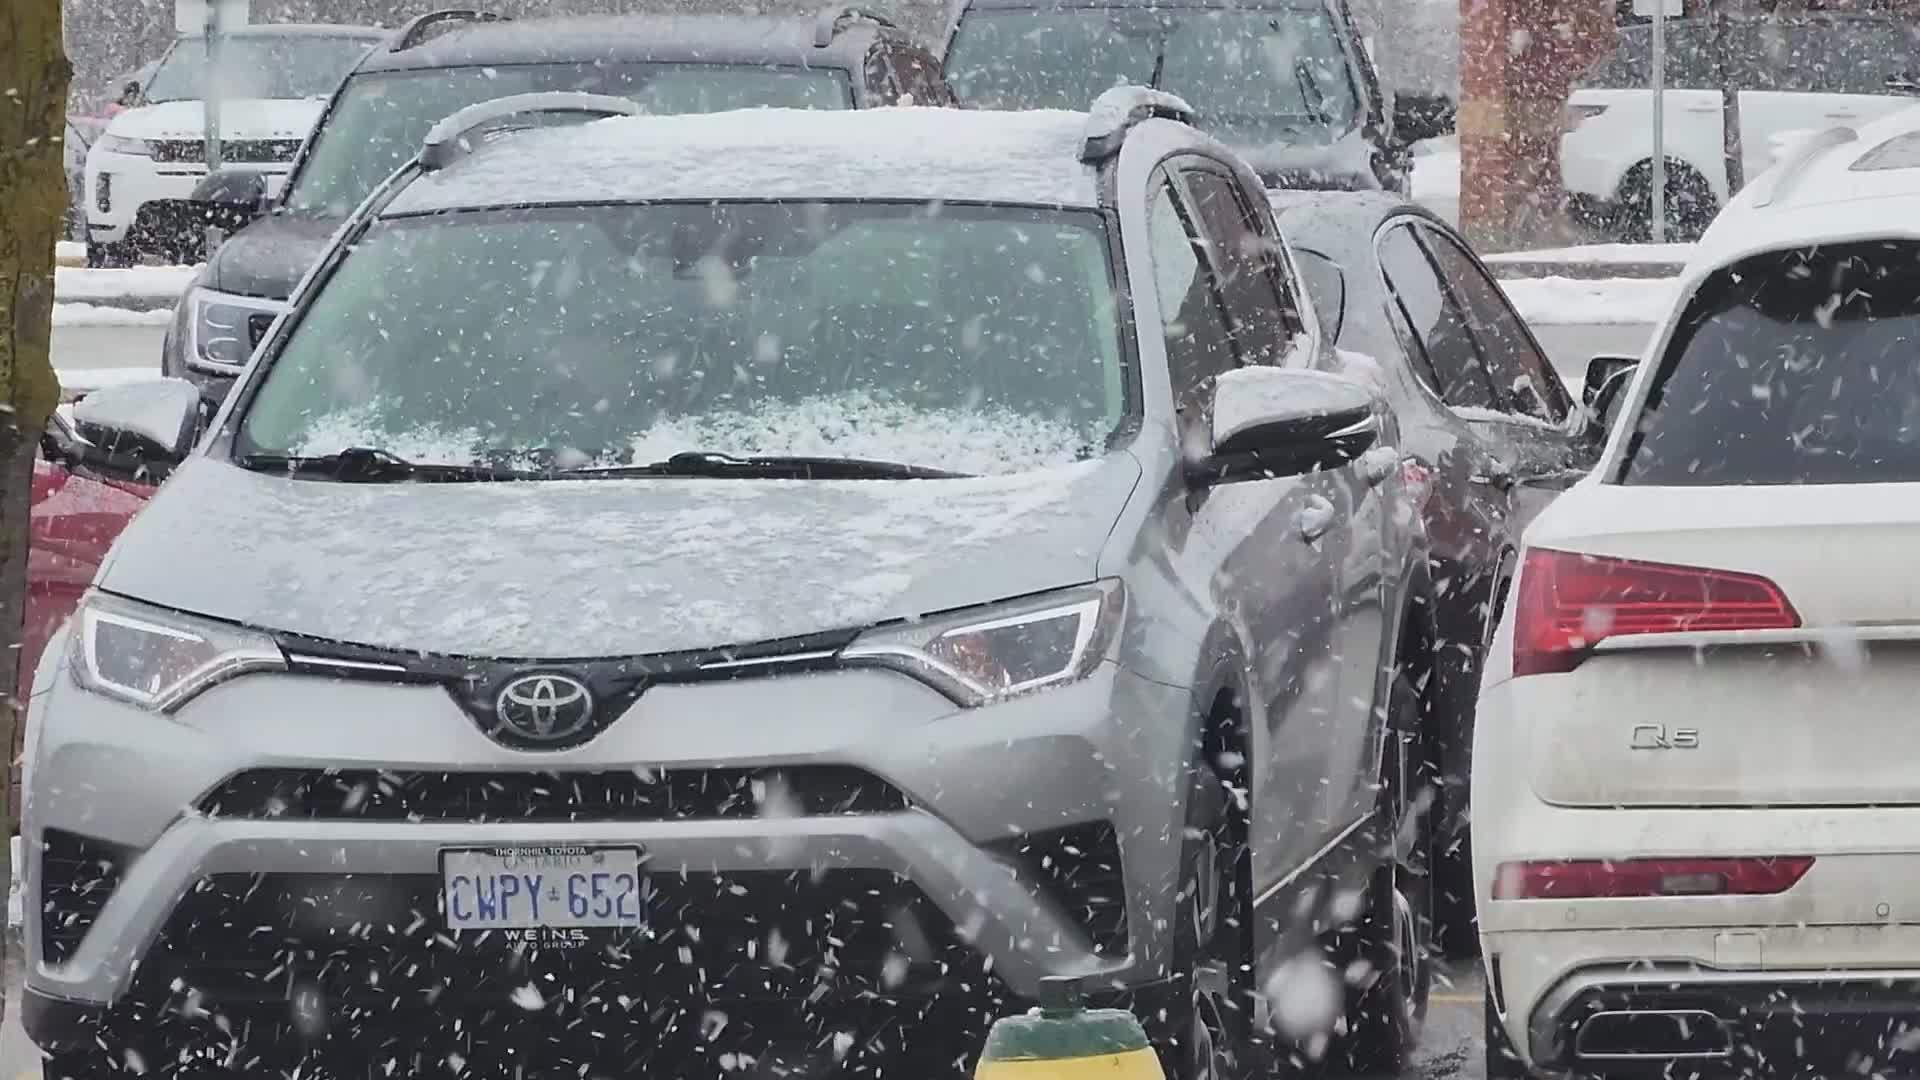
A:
[(1659, 1020)]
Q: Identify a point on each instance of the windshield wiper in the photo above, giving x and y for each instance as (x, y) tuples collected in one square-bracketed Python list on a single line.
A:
[(707, 463), (366, 464)]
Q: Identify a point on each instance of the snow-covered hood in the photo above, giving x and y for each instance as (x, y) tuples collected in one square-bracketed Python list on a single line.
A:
[(1345, 164), (241, 119), (569, 569)]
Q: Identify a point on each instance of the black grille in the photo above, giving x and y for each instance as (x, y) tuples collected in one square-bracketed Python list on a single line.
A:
[(77, 876), (1079, 867), (631, 795), (194, 151)]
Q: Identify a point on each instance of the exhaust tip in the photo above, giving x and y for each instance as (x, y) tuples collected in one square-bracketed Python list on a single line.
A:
[(1647, 1034)]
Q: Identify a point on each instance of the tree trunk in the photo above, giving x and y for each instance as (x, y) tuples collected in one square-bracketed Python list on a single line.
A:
[(33, 199)]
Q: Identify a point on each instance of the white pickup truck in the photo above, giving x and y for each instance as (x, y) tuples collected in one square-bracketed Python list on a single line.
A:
[(1808, 72)]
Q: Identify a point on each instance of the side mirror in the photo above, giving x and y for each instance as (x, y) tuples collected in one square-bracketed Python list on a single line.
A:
[(1904, 83), (230, 198), (1267, 422), (129, 95), (1601, 396), (138, 430), (1418, 117)]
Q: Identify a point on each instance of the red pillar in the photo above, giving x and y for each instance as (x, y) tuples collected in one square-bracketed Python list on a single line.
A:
[(1517, 60)]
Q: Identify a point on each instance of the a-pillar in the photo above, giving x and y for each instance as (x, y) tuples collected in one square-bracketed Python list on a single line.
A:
[(1517, 60)]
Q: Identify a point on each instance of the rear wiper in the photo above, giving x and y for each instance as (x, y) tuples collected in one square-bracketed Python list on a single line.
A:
[(366, 464), (707, 463)]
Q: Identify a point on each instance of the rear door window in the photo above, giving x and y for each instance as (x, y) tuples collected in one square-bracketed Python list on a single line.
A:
[(1795, 367)]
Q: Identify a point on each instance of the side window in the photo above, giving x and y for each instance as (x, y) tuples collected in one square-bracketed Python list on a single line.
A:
[(1523, 381), (1453, 369), (1247, 260), (1326, 287), (1199, 345)]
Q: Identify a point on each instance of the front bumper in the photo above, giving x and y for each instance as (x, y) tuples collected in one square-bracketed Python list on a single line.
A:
[(223, 910)]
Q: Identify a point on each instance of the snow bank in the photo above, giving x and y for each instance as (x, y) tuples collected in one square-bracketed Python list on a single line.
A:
[(1436, 183), (101, 315), (1604, 301), (1674, 255), (79, 283), (83, 380)]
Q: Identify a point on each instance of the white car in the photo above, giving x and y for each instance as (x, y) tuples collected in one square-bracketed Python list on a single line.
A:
[(141, 171), (1810, 72), (1696, 833)]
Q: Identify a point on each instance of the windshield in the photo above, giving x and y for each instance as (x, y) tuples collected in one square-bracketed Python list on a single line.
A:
[(259, 66), (1253, 76), (381, 117), (970, 339), (1796, 368)]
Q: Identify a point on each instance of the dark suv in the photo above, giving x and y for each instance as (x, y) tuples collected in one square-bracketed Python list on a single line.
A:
[(1286, 83), (846, 58)]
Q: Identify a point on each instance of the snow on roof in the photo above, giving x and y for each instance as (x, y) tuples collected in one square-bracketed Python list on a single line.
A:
[(894, 153)]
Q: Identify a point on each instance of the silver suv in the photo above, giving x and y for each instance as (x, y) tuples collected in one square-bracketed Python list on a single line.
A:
[(743, 588)]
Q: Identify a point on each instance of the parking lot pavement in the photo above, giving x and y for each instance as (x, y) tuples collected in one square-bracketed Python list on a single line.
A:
[(1451, 1049)]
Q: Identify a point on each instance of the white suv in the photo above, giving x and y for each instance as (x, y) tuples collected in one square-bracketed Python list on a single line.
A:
[(142, 170), (1696, 826), (1804, 73)]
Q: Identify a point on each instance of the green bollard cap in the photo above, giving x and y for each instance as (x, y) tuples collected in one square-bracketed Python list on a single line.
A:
[(1062, 1028)]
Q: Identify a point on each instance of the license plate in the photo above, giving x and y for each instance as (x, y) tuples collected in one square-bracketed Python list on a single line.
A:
[(527, 888)]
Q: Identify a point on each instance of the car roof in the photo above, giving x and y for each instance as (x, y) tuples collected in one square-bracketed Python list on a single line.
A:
[(717, 39), (905, 154), (1841, 184), (298, 30)]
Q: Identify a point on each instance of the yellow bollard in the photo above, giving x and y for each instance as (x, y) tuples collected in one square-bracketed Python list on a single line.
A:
[(1063, 1040)]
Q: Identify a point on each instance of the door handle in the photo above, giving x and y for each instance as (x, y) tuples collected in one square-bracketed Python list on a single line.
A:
[(1314, 519), (1843, 116)]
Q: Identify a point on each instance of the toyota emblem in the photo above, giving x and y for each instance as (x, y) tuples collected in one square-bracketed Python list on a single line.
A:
[(544, 707)]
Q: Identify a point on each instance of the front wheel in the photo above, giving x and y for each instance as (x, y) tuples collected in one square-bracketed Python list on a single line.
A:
[(1207, 1032)]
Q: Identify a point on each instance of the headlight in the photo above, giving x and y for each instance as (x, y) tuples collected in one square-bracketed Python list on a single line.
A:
[(988, 654), (160, 659), (220, 328), (120, 144)]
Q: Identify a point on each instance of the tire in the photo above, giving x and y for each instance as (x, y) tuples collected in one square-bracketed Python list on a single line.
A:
[(1503, 1061), (1207, 1030), (109, 256), (1394, 939), (89, 1064), (1690, 204)]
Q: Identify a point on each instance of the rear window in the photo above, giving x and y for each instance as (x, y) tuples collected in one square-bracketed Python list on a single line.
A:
[(1791, 368)]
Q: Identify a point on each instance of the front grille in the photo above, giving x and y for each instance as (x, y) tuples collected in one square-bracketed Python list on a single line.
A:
[(77, 876), (629, 795), (1079, 868), (194, 151)]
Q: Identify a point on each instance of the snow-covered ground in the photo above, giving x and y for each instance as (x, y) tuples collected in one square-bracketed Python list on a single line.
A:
[(161, 285), (83, 314), (1674, 255)]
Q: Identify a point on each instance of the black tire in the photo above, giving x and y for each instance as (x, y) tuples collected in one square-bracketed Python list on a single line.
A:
[(1386, 1014), (1503, 1061), (1690, 204), (1207, 1030), (109, 256), (88, 1064)]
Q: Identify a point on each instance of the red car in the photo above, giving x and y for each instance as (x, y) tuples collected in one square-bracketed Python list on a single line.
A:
[(76, 516)]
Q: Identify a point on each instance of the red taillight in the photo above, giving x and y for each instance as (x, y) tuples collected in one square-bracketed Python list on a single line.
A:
[(1419, 480), (1588, 879), (1567, 603)]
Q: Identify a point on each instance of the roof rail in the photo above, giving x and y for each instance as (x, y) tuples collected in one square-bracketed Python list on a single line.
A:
[(831, 19), (1116, 111), (448, 140), (1781, 179), (411, 34)]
